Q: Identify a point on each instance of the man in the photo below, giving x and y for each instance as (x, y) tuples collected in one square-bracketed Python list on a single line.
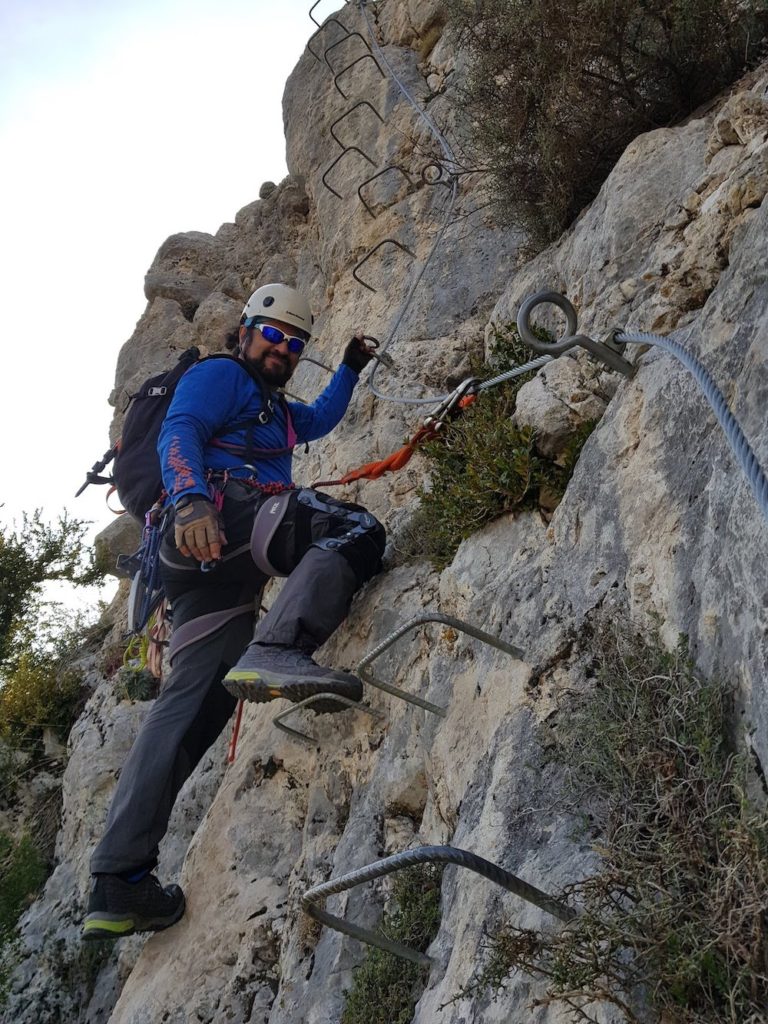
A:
[(225, 451)]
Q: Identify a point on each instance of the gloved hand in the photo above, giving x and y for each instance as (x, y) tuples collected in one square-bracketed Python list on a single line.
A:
[(196, 529), (356, 354)]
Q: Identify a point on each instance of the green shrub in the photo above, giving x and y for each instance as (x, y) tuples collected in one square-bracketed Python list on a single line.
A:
[(136, 684), (22, 873), (483, 466), (30, 556), (675, 918), (385, 988), (556, 89), (40, 693)]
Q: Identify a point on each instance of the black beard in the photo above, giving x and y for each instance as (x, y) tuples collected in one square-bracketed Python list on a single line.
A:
[(275, 376)]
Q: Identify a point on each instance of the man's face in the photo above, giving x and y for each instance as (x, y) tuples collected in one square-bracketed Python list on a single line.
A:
[(274, 362)]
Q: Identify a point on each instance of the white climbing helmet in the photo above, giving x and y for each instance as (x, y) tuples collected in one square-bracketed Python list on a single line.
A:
[(279, 302)]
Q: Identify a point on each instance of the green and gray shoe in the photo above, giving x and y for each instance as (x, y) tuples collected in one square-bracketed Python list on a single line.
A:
[(117, 908), (268, 671)]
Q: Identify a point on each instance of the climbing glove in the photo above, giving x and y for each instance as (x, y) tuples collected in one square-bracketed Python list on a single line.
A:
[(356, 355), (197, 531)]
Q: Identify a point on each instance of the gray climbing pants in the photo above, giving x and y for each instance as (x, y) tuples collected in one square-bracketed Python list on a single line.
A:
[(327, 556)]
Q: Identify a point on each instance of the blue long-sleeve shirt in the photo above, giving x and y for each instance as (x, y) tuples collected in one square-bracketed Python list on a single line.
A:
[(217, 393)]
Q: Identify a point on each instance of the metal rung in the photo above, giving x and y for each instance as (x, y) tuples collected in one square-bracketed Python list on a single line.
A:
[(313, 898), (317, 4), (362, 103), (338, 42), (378, 174), (349, 149), (335, 698), (420, 620), (330, 21), (365, 56), (385, 241)]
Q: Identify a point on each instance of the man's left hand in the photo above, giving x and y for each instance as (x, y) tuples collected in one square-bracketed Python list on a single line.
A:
[(357, 355)]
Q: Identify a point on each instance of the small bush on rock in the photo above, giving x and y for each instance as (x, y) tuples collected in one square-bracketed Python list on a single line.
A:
[(556, 90), (385, 988), (483, 465)]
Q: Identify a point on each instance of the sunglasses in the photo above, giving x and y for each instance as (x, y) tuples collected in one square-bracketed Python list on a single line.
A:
[(275, 336)]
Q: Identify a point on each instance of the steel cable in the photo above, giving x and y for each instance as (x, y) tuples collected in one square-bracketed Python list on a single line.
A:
[(740, 446)]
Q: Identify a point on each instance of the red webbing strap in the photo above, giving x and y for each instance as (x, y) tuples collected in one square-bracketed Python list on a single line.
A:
[(393, 462)]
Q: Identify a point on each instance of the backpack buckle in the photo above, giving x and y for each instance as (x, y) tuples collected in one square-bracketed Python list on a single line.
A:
[(157, 392)]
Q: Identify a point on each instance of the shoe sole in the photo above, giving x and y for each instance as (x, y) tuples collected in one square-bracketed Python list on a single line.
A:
[(249, 685), (98, 925)]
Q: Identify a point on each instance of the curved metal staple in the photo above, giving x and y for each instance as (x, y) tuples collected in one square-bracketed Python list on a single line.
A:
[(316, 698), (422, 855), (330, 21), (730, 426), (451, 161), (384, 241), (349, 149), (317, 4), (378, 174), (338, 42), (365, 56), (362, 103), (420, 620)]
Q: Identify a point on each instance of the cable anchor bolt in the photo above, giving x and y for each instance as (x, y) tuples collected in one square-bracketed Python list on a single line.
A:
[(606, 353)]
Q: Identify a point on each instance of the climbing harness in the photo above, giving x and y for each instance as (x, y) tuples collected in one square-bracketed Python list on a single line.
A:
[(363, 670), (313, 899), (610, 351)]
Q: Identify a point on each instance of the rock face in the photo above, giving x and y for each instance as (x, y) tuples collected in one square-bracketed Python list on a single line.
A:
[(657, 521)]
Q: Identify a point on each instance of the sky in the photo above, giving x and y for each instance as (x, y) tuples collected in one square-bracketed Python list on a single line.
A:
[(119, 126)]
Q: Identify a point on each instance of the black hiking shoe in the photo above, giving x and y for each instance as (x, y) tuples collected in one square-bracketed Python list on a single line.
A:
[(267, 671), (117, 908)]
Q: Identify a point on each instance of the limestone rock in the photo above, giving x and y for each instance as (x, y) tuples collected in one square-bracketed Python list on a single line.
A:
[(121, 537), (185, 270), (564, 395)]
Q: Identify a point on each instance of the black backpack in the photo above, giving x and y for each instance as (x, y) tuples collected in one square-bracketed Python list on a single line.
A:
[(136, 473)]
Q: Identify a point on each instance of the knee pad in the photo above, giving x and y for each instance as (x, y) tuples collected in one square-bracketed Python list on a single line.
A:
[(360, 538)]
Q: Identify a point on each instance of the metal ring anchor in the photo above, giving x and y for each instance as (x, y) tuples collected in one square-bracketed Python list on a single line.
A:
[(384, 241), (609, 354), (349, 149), (420, 620), (313, 898), (428, 178), (378, 174), (365, 56), (362, 103), (333, 698)]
